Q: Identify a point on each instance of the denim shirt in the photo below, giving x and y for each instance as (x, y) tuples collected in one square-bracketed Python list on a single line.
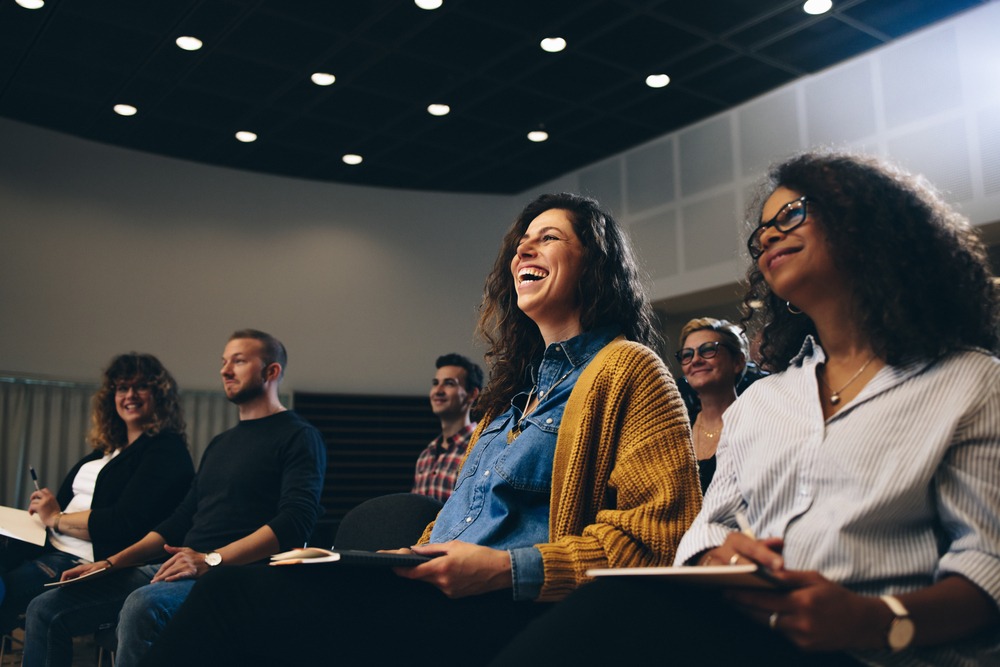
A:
[(501, 499)]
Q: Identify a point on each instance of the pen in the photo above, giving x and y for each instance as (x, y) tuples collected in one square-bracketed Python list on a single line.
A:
[(34, 477), (741, 521)]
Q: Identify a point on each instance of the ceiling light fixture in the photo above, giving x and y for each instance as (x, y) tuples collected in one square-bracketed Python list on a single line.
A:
[(189, 43), (538, 136), (438, 109), (553, 44), (815, 7), (657, 80), (125, 110), (246, 137), (428, 4), (323, 79), (352, 159), (31, 4)]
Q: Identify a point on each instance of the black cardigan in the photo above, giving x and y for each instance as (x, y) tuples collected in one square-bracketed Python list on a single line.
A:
[(135, 491)]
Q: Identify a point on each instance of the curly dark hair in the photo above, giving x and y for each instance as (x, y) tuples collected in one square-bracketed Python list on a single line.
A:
[(610, 292), (473, 373), (918, 272), (107, 431)]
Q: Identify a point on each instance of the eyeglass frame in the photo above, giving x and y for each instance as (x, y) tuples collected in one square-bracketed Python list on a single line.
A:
[(756, 251), (715, 350), (126, 387)]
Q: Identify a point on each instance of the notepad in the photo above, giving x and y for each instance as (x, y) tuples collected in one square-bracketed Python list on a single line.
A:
[(713, 576), (314, 555), (22, 526), (83, 577)]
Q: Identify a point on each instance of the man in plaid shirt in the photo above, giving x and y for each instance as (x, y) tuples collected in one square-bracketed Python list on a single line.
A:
[(454, 389)]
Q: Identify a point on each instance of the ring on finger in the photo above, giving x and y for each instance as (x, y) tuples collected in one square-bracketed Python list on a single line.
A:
[(772, 620), (735, 559)]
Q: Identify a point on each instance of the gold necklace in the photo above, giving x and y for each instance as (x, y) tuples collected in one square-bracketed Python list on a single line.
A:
[(835, 395), (709, 434)]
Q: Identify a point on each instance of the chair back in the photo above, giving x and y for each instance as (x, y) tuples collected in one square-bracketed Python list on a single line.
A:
[(387, 522)]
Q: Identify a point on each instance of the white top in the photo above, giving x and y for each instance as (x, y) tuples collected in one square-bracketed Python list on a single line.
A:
[(896, 490), (83, 495)]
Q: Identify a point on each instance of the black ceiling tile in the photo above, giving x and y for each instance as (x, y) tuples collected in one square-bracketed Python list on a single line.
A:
[(573, 78), (517, 107), (210, 21), (532, 16), (820, 45), (227, 75), (337, 15), (738, 80), (720, 16), (323, 135), (700, 60), (149, 16), (887, 17), (268, 38), (641, 43), (82, 39), (764, 31), (464, 41), (357, 107), (69, 77), (202, 107), (607, 136), (48, 108), (409, 78), (465, 131)]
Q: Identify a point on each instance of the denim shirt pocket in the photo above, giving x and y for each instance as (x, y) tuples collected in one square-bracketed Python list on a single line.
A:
[(526, 464), (475, 456)]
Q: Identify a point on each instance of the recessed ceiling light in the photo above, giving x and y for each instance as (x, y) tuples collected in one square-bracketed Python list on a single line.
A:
[(125, 110), (817, 6), (553, 44), (538, 135), (189, 43), (428, 4), (351, 158), (31, 4), (323, 79), (657, 80), (246, 137), (438, 109)]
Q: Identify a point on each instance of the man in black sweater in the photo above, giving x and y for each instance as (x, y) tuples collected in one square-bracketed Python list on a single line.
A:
[(256, 493)]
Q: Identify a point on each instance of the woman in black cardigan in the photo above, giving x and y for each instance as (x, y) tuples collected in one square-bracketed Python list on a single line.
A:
[(139, 470)]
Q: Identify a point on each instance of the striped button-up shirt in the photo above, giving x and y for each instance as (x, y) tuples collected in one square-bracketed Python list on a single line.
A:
[(899, 488)]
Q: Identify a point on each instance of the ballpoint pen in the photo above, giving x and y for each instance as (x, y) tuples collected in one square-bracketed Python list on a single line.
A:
[(34, 477)]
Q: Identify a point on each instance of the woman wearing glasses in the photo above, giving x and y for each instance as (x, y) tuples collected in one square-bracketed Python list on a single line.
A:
[(867, 465), (713, 358), (139, 470)]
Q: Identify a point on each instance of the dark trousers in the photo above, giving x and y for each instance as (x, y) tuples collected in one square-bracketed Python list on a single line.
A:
[(642, 622), (333, 614)]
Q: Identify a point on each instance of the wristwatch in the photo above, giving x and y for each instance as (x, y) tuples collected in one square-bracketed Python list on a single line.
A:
[(901, 630), (213, 559)]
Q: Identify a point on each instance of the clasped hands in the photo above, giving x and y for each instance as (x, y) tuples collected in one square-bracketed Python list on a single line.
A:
[(460, 568), (813, 612)]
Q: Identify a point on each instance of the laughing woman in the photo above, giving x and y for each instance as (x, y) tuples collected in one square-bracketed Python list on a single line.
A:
[(583, 459), (868, 465), (139, 470)]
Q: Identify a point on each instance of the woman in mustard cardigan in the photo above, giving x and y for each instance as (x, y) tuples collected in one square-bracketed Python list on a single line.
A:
[(583, 459)]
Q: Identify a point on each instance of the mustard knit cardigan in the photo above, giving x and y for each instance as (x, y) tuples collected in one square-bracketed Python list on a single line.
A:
[(624, 478)]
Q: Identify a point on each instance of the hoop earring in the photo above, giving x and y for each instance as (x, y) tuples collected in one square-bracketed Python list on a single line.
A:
[(792, 309)]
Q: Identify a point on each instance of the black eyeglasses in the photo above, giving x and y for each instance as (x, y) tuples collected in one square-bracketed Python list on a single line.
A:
[(123, 387), (788, 217), (685, 355)]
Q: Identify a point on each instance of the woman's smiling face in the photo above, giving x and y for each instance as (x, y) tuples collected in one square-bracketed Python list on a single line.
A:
[(547, 267)]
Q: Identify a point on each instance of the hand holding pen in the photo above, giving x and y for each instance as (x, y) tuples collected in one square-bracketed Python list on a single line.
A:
[(743, 548), (43, 502)]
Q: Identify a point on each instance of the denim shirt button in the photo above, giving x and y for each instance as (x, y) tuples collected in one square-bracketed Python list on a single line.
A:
[(549, 420), (468, 519), (486, 474)]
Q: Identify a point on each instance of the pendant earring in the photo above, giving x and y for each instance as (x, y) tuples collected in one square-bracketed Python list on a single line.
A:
[(792, 309)]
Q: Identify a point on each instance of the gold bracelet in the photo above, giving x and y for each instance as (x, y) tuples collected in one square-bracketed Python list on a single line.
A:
[(58, 519)]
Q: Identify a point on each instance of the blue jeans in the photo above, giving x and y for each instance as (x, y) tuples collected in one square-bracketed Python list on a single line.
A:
[(27, 580), (57, 616)]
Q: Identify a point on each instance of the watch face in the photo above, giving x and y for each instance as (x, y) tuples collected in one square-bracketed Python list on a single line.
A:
[(900, 634), (213, 559)]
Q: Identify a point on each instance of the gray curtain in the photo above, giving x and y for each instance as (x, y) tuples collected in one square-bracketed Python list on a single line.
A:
[(45, 423)]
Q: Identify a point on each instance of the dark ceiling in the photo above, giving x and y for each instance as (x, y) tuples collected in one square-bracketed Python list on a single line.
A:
[(66, 65)]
